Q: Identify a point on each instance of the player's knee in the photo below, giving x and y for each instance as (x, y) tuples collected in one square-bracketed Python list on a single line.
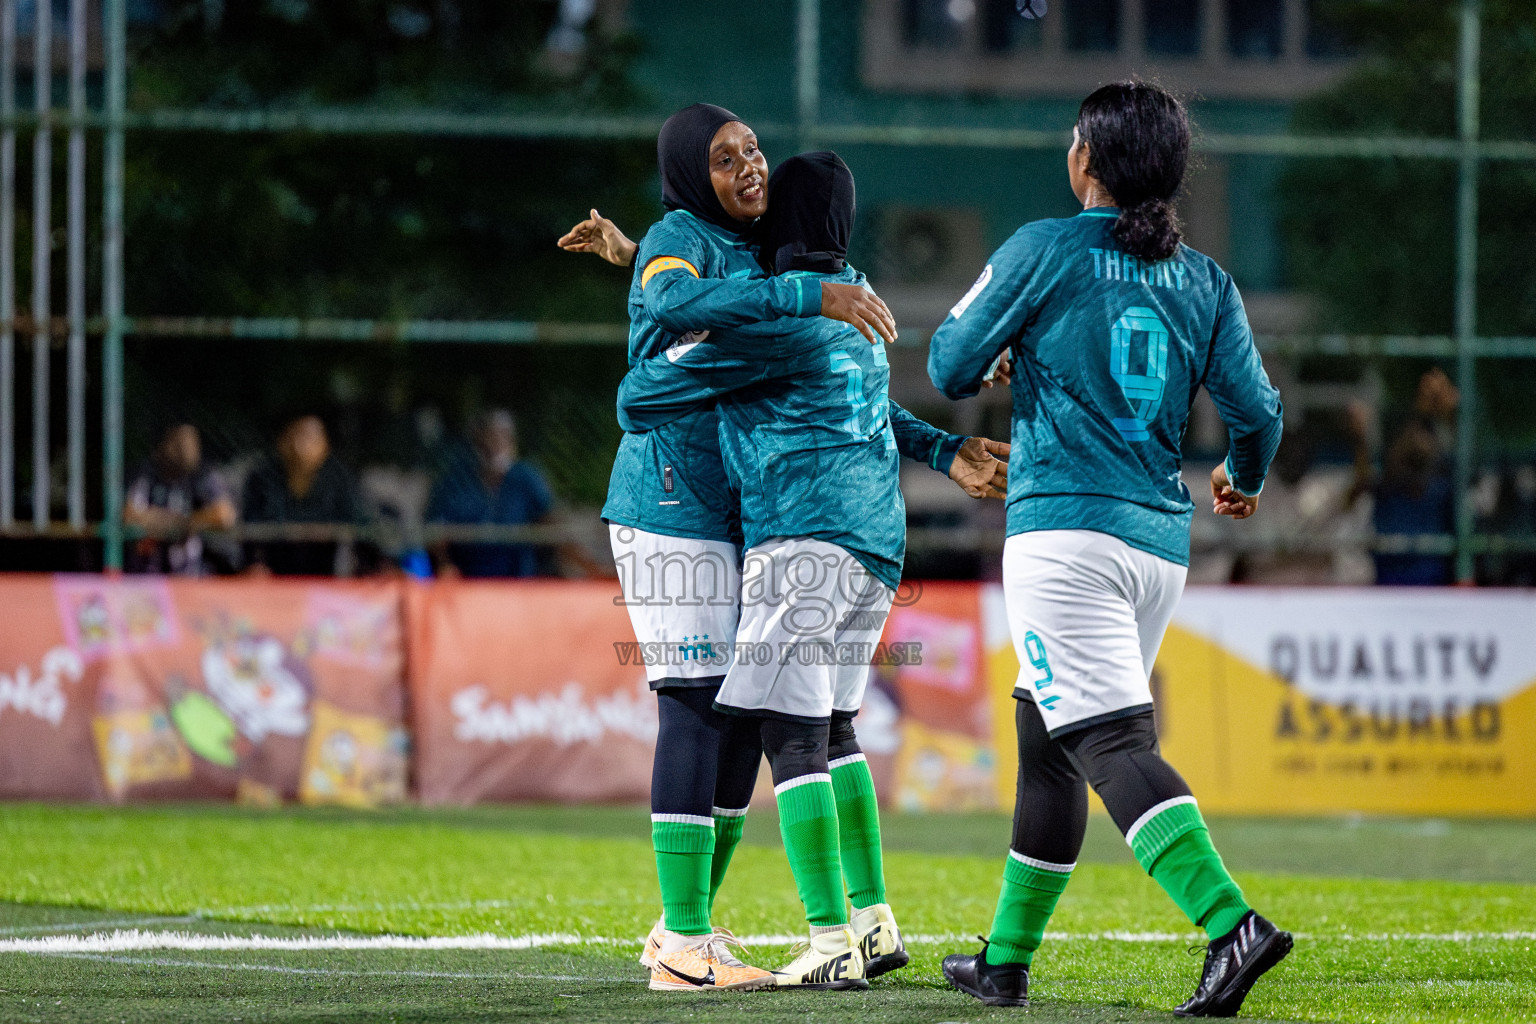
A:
[(841, 739), (741, 753), (686, 715), (1109, 742), (1120, 759), (687, 746), (795, 748)]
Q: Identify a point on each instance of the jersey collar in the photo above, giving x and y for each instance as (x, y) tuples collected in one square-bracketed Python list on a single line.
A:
[(1101, 211), (728, 237)]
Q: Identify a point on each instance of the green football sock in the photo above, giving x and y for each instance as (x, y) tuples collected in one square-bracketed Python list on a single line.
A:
[(1173, 845), (1030, 891), (808, 821), (858, 830), (684, 844), (728, 825)]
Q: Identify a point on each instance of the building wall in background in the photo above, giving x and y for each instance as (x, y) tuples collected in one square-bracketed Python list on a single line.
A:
[(894, 62)]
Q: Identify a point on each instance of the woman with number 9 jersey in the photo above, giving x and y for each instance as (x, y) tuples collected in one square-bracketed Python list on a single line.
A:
[(1112, 326)]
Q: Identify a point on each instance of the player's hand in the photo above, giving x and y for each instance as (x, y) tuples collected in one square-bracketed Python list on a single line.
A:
[(601, 236), (981, 468), (1228, 501), (854, 304), (1002, 376)]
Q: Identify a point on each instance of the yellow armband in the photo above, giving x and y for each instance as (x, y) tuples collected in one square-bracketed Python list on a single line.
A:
[(661, 263)]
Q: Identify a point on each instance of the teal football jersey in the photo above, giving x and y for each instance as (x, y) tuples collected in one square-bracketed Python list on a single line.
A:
[(1109, 352), (807, 430), (690, 276)]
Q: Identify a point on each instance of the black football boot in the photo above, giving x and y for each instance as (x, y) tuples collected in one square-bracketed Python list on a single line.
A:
[(993, 984), (1232, 964)]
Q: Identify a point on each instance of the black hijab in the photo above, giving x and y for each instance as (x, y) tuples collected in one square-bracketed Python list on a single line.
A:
[(682, 154), (810, 215)]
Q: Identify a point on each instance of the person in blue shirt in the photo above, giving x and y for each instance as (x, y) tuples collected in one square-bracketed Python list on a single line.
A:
[(810, 442), (1113, 325), (490, 487)]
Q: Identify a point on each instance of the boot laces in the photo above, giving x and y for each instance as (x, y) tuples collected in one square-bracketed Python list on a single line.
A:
[(719, 946), (798, 951), (728, 937)]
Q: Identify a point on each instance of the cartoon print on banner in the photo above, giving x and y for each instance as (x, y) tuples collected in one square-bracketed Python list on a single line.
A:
[(253, 676), (945, 760), (207, 728), (354, 760), (348, 630), (101, 617), (137, 742)]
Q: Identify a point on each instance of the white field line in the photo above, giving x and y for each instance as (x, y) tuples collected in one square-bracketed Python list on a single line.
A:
[(82, 926), (332, 971), (135, 939)]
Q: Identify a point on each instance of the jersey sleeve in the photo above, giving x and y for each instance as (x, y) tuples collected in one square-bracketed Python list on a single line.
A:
[(680, 300), (1248, 403), (658, 390), (989, 317), (921, 441)]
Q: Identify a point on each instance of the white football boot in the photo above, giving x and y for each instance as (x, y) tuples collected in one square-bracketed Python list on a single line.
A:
[(830, 960), (879, 940)]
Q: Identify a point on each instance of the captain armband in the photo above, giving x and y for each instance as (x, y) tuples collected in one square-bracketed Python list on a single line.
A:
[(661, 263)]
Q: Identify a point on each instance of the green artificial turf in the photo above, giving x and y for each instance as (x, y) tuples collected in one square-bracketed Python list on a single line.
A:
[(1372, 918)]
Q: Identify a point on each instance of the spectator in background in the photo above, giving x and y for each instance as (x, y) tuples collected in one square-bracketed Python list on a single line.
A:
[(175, 494), (490, 487), (1434, 410), (303, 482), (1415, 492), (1513, 515)]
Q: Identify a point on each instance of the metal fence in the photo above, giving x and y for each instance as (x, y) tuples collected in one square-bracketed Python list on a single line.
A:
[(113, 124)]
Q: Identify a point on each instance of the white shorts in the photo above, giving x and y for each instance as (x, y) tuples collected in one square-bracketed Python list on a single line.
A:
[(1087, 612), (684, 597), (811, 618)]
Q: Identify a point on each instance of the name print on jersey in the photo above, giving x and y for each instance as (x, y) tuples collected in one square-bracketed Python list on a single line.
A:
[(1114, 265)]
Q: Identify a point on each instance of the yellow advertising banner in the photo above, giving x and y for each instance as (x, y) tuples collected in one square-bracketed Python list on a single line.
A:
[(1328, 700), (1332, 700)]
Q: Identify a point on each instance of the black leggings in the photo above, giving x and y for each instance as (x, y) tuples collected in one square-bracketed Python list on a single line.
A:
[(704, 759), (795, 749), (1120, 759)]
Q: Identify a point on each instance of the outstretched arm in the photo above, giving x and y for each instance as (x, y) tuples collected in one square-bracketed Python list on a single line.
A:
[(601, 237), (921, 441), (700, 308)]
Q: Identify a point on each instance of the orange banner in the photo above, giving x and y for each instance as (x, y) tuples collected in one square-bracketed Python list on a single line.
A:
[(276, 690), (520, 692), (151, 688)]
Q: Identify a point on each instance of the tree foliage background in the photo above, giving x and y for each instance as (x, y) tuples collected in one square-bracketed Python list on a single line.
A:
[(1374, 240), (377, 226)]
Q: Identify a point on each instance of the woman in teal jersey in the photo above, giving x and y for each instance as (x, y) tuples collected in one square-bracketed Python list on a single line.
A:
[(669, 506), (813, 450), (675, 528), (1113, 326)]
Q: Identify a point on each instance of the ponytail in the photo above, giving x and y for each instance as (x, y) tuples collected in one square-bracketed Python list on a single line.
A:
[(1138, 149), (1149, 230)]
